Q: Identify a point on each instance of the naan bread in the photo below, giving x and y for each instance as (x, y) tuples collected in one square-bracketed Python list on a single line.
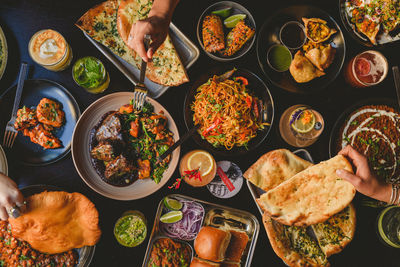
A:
[(321, 58), (311, 196), (166, 67), (100, 23), (303, 70), (275, 167), (56, 222), (336, 232), (293, 245)]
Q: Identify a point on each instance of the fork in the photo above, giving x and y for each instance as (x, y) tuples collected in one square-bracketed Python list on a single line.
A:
[(11, 133), (140, 92)]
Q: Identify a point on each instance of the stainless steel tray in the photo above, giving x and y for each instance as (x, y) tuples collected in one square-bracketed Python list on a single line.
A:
[(257, 192), (187, 50), (252, 226)]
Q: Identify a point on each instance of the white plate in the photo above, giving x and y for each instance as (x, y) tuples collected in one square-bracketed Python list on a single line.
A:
[(81, 154)]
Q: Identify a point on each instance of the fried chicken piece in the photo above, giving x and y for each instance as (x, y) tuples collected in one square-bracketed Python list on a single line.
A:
[(118, 167), (26, 118), (50, 113), (144, 168), (42, 137), (213, 34)]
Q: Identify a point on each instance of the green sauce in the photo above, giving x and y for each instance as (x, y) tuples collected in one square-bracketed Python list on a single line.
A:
[(89, 73), (130, 230), (279, 58)]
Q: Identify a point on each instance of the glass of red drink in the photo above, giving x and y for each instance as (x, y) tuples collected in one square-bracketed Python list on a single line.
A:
[(366, 69)]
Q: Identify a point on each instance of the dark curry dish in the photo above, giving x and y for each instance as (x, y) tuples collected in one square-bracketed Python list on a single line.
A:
[(375, 132), (14, 252), (39, 123), (168, 253), (125, 144)]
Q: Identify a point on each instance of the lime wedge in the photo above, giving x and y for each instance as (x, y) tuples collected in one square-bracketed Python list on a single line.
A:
[(231, 21), (304, 122), (171, 217), (222, 12), (172, 204)]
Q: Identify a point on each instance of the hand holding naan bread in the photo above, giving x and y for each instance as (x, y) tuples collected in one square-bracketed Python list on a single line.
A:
[(311, 196)]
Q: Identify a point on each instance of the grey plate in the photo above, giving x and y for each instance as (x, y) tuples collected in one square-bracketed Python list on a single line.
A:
[(3, 162), (3, 42), (257, 192), (246, 219), (85, 253), (187, 51)]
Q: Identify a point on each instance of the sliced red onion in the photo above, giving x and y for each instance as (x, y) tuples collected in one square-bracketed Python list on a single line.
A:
[(189, 226)]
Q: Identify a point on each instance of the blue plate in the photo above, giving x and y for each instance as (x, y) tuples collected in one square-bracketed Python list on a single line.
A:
[(32, 154)]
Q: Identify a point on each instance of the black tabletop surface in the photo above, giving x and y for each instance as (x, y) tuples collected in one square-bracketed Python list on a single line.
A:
[(20, 19)]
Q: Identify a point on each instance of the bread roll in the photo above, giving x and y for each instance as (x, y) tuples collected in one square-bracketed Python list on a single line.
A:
[(211, 243), (237, 246), (196, 262)]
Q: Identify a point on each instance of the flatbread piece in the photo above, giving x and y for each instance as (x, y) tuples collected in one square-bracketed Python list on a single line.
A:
[(275, 167), (166, 67), (336, 232), (311, 196), (293, 245)]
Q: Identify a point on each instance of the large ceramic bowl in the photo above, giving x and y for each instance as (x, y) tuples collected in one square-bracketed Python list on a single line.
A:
[(268, 36), (81, 151), (257, 88)]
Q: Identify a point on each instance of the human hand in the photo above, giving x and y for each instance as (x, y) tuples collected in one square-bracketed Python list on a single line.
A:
[(10, 197), (156, 26), (364, 180)]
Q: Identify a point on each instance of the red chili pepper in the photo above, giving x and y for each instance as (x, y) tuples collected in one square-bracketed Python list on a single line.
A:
[(211, 127), (243, 79), (248, 101), (255, 108), (243, 136)]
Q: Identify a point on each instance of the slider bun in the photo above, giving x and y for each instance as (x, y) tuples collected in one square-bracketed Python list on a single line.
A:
[(211, 243), (196, 262)]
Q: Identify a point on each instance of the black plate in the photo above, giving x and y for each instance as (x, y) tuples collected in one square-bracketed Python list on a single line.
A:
[(235, 9), (256, 86), (342, 118), (351, 29), (85, 253), (32, 154), (269, 35)]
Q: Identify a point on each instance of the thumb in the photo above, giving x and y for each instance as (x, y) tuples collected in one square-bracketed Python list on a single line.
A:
[(348, 176)]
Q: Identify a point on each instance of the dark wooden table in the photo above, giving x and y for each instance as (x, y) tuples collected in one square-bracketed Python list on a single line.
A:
[(20, 19)]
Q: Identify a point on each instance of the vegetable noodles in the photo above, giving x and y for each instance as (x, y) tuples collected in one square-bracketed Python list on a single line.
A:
[(226, 113)]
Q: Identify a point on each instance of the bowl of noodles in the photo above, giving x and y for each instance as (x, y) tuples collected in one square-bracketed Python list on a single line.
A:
[(233, 110)]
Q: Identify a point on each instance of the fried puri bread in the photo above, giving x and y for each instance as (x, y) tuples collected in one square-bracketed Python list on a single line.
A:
[(336, 232), (56, 222), (311, 196), (293, 245), (166, 67), (275, 167)]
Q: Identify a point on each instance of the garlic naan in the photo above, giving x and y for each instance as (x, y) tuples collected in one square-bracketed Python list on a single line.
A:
[(311, 196), (166, 67), (56, 222)]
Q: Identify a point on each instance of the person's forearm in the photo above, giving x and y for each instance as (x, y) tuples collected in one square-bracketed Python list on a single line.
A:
[(163, 8)]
